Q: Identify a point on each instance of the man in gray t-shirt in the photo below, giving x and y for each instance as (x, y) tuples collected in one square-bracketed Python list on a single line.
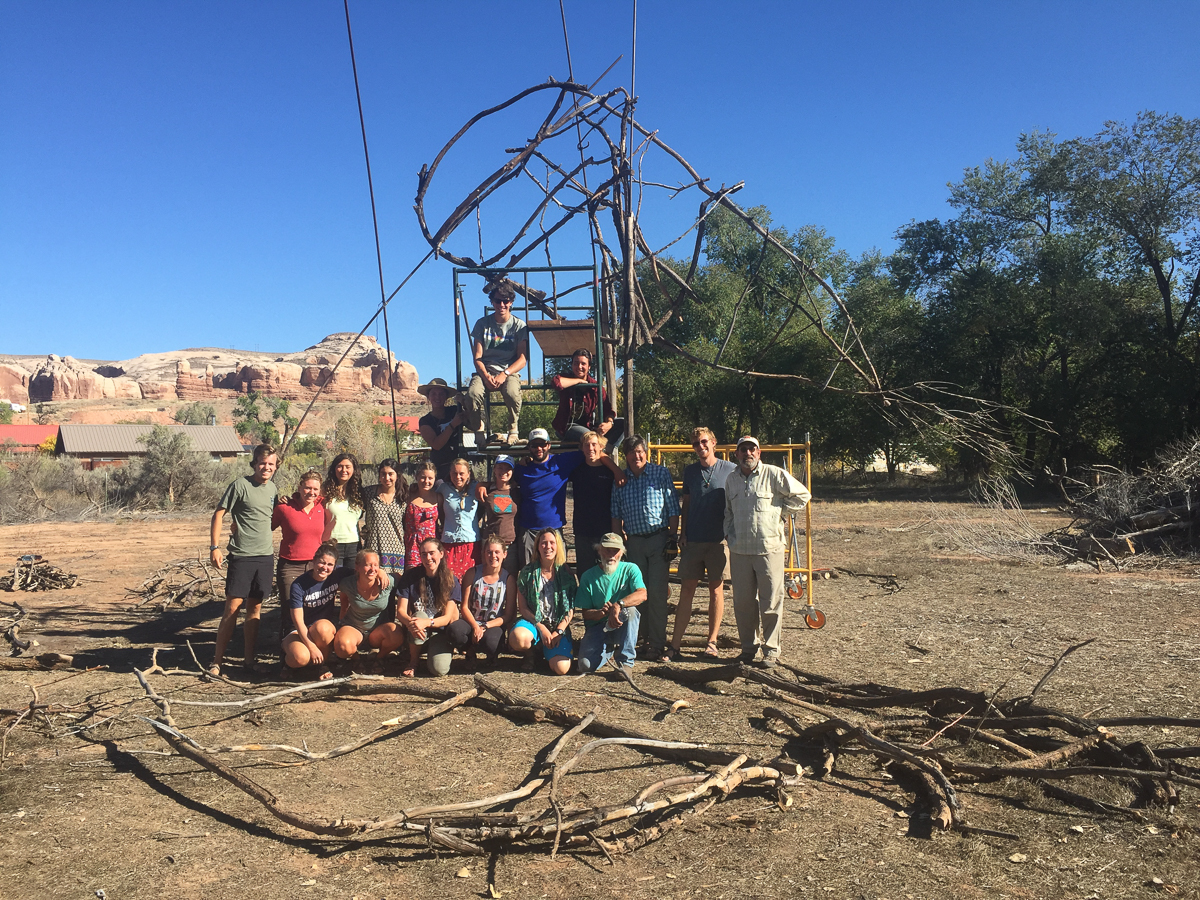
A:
[(500, 345), (249, 502), (701, 538)]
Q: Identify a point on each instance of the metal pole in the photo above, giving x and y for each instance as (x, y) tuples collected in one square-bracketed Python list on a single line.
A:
[(457, 335), (601, 375), (808, 512)]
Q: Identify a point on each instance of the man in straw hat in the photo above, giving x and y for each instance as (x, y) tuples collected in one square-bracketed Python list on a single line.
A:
[(441, 427), (759, 498)]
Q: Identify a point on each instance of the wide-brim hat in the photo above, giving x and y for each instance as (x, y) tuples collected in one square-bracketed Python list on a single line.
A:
[(424, 389)]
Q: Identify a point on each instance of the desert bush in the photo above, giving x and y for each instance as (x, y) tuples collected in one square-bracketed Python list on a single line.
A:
[(196, 413), (356, 432)]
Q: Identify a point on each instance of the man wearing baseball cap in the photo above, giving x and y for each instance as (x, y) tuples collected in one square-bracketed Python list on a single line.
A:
[(608, 596), (759, 499), (543, 482)]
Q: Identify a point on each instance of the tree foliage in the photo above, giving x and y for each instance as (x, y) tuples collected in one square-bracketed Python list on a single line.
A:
[(1064, 290)]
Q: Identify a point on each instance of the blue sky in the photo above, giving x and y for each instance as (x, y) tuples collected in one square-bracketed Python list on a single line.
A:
[(191, 174)]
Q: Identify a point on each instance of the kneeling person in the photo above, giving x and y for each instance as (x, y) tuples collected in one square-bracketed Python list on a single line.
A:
[(427, 611), (608, 596), (310, 611)]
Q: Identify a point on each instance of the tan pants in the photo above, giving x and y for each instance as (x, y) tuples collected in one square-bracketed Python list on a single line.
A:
[(758, 600), (510, 390)]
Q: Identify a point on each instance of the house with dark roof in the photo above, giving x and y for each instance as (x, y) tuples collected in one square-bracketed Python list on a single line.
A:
[(114, 445)]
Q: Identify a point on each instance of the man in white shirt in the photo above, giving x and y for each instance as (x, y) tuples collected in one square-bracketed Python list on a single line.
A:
[(759, 499)]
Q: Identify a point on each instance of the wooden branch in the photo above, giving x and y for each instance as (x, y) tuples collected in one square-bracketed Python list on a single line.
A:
[(703, 755), (1058, 662)]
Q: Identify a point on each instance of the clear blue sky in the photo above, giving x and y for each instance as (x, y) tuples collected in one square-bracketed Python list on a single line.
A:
[(191, 174)]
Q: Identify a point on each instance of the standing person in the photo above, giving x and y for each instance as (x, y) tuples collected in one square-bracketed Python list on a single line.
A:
[(302, 521), (364, 598), (499, 506), (383, 513), (608, 596), (646, 510), (441, 427), (344, 498), (250, 502), (460, 515), (310, 612), (490, 604), (759, 498), (576, 414), (545, 598), (701, 538), (423, 514), (500, 343), (427, 612), (543, 484), (591, 487)]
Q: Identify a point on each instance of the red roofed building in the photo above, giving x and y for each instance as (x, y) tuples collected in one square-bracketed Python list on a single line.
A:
[(25, 438), (408, 422)]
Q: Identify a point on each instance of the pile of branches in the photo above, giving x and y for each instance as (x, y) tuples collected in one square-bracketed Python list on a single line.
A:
[(181, 582), (1117, 514), (936, 743), (31, 573), (929, 746)]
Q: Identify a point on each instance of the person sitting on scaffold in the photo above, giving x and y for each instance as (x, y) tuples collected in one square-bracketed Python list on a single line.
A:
[(500, 343)]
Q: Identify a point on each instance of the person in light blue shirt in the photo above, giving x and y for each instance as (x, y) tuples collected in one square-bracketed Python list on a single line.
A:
[(460, 528), (645, 509)]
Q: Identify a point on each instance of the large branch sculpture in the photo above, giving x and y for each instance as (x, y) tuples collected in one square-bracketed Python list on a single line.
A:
[(601, 130)]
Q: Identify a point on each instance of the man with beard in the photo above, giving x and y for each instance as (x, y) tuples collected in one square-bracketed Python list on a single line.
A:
[(608, 596), (758, 500)]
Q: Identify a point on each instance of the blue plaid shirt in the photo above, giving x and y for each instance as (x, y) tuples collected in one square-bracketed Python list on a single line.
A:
[(645, 502)]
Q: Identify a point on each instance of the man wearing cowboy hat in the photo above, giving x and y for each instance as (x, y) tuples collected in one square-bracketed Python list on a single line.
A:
[(759, 498), (500, 343), (608, 596), (441, 427)]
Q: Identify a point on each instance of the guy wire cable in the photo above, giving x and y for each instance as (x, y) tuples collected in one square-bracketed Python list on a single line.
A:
[(375, 223)]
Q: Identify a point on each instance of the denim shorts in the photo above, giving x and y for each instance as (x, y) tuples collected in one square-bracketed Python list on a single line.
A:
[(564, 647)]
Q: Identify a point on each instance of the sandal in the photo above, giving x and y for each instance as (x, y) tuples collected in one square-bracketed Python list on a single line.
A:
[(214, 671), (408, 673), (711, 651), (665, 655), (672, 654), (324, 673)]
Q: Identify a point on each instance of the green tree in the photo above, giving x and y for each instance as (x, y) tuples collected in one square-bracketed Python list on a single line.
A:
[(254, 423), (6, 414), (196, 413), (170, 469)]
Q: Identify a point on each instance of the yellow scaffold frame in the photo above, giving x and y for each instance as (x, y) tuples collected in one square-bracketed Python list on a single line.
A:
[(726, 451)]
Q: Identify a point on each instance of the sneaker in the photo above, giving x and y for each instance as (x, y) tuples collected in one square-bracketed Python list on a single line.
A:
[(746, 657)]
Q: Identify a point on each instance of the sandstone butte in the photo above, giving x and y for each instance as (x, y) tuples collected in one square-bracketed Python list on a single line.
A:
[(212, 373)]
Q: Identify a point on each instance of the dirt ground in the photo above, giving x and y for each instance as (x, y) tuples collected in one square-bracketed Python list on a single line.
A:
[(106, 810)]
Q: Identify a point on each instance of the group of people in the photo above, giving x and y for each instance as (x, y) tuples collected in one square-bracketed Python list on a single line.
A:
[(448, 564), (453, 565)]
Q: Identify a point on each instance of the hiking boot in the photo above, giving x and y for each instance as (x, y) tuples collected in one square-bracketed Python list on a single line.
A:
[(770, 661)]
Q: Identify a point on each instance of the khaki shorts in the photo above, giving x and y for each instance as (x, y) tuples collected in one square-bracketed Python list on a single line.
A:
[(702, 561)]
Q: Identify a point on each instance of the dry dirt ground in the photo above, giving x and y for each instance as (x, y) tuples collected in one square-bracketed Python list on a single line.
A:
[(105, 810)]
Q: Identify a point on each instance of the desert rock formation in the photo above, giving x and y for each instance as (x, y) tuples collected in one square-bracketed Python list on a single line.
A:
[(176, 375)]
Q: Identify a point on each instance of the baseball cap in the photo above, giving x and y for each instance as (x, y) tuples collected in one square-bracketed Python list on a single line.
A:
[(748, 440), (506, 459), (539, 434), (613, 541)]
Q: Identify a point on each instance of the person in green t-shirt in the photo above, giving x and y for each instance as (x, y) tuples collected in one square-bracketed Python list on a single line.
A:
[(608, 596), (249, 500)]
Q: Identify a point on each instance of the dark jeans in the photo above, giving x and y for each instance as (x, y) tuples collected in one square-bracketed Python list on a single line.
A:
[(346, 554), (493, 641)]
